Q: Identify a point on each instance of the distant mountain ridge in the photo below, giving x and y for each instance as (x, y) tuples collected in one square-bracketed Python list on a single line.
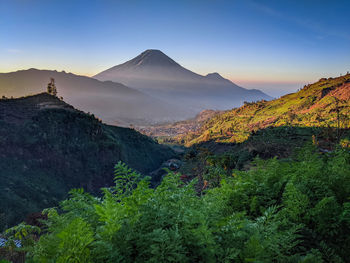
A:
[(158, 75)]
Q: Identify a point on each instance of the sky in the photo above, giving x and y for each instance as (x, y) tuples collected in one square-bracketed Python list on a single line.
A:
[(276, 46)]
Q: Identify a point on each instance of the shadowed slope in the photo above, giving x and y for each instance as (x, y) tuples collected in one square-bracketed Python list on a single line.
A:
[(48, 147)]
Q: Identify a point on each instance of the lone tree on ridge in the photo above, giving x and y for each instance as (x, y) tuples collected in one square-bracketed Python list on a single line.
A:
[(51, 87)]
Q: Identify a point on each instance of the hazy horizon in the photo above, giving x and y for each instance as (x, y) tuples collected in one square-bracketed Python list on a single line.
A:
[(275, 89)]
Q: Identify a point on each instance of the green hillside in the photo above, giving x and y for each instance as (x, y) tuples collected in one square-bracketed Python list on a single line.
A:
[(322, 104), (48, 147)]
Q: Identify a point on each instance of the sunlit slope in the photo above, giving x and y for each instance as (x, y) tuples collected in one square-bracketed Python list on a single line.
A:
[(323, 103)]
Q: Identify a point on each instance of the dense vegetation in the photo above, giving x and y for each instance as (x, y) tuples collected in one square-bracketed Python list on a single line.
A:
[(48, 147), (325, 103), (295, 210)]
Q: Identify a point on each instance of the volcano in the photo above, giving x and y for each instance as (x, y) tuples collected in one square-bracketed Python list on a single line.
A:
[(156, 74)]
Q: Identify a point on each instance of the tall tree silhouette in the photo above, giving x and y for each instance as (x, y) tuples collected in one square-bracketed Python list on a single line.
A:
[(51, 87)]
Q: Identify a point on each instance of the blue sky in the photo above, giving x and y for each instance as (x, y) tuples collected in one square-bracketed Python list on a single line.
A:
[(277, 46)]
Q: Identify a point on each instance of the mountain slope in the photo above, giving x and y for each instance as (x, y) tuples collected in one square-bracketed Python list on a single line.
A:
[(112, 102), (165, 131), (48, 147), (316, 105), (155, 73)]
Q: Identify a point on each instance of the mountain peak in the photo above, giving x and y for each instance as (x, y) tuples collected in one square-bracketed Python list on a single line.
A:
[(215, 76), (152, 57), (152, 51)]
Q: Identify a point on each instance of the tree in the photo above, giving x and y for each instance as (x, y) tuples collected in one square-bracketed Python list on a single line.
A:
[(51, 87)]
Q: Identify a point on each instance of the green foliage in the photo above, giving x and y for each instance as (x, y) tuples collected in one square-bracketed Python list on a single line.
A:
[(19, 240), (214, 175), (70, 243), (278, 211), (23, 233), (125, 179)]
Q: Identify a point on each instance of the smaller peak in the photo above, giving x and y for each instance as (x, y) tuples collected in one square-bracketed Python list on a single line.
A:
[(214, 75)]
